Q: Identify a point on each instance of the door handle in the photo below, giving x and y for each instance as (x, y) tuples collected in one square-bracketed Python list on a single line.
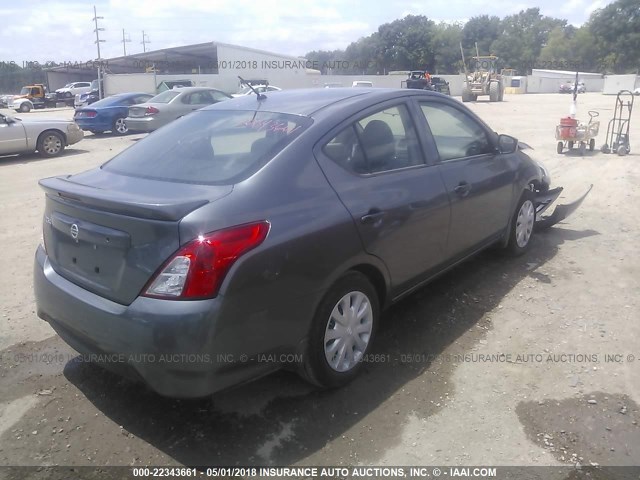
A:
[(373, 216), (463, 189)]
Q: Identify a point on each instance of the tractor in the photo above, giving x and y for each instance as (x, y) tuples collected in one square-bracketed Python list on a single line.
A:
[(483, 80)]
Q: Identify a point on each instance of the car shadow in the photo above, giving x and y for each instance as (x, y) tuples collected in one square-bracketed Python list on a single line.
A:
[(281, 420), (22, 158)]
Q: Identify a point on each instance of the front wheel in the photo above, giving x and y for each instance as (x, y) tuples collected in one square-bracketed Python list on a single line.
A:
[(25, 108), (522, 224), (50, 144), (341, 332)]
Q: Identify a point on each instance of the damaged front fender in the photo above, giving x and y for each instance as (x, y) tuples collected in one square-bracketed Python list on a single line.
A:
[(544, 201)]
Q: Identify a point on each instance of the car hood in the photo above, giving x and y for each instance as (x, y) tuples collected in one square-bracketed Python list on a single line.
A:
[(52, 121)]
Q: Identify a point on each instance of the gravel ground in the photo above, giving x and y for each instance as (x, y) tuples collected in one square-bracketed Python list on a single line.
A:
[(526, 361)]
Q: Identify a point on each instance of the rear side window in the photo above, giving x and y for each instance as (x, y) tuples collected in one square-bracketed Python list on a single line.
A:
[(164, 97), (380, 142), (210, 147)]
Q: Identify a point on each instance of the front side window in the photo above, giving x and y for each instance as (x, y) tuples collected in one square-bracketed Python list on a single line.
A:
[(211, 147), (455, 133), (380, 142)]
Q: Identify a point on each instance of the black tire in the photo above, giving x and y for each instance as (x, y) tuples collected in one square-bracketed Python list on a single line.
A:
[(592, 144), (622, 150), (25, 108), (68, 95), (605, 148), (559, 147), (50, 144), (570, 144), (582, 148), (119, 127), (467, 96), (494, 92), (316, 367), (521, 224)]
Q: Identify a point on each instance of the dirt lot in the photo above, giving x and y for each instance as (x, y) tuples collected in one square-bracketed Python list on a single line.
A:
[(500, 362)]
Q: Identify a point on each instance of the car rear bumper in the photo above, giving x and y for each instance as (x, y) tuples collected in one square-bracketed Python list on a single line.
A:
[(172, 346), (92, 125), (142, 124)]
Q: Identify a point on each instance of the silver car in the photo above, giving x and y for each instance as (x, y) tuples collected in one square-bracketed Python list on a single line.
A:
[(47, 137), (170, 105)]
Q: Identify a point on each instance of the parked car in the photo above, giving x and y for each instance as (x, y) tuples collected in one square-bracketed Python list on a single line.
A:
[(255, 235), (257, 88), (47, 137), (72, 89), (569, 87), (109, 113), (362, 83), (87, 98), (170, 105)]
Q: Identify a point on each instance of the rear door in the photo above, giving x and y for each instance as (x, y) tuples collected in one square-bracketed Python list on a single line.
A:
[(479, 180), (398, 202)]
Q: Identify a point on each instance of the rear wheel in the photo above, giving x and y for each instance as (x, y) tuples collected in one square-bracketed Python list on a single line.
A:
[(25, 108), (522, 223), (341, 332), (494, 91), (50, 144), (559, 147), (120, 126), (592, 144), (622, 150)]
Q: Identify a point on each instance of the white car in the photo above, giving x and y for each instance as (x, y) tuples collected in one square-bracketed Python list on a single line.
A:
[(362, 83), (258, 88), (47, 137), (72, 89)]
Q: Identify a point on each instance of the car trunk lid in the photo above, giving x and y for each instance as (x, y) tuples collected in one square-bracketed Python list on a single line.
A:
[(108, 240)]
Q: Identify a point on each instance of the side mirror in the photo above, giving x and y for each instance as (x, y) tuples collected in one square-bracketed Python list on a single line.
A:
[(507, 144)]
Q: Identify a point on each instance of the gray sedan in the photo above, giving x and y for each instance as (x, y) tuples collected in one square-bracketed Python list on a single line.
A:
[(47, 137), (268, 233), (170, 105)]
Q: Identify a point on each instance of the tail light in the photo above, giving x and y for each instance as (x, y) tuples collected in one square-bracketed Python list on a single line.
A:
[(151, 111), (197, 270), (87, 114)]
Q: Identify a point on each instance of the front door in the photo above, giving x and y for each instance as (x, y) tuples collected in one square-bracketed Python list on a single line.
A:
[(398, 203)]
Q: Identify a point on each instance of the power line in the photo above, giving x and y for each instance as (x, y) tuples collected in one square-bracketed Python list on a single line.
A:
[(145, 40), (124, 42)]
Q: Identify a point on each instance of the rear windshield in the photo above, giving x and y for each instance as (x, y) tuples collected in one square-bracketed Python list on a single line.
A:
[(108, 102), (213, 147), (164, 97)]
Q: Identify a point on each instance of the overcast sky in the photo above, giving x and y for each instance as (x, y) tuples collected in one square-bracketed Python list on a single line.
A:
[(63, 30)]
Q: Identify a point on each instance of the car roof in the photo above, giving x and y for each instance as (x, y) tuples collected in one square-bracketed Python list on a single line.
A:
[(311, 101)]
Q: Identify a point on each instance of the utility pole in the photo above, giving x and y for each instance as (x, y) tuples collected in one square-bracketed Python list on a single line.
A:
[(97, 42), (124, 42), (145, 40), (97, 30)]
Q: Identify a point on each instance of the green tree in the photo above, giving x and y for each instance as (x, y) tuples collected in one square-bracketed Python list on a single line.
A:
[(616, 30), (446, 48)]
